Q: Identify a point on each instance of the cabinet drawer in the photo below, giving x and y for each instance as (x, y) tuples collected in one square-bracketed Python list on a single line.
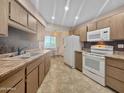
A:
[(115, 73), (11, 81), (115, 63), (33, 65), (115, 84), (19, 88)]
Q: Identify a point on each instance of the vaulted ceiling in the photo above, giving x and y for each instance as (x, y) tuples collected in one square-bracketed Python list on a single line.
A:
[(73, 12)]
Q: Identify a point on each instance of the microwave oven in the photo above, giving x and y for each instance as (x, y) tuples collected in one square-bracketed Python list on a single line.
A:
[(99, 35)]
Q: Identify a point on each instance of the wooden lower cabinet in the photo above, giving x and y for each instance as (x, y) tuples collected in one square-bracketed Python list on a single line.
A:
[(117, 27), (14, 83), (19, 88), (115, 74), (78, 60), (47, 63), (32, 81), (29, 78), (41, 71)]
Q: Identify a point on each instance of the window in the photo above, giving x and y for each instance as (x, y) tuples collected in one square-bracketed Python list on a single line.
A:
[(50, 42)]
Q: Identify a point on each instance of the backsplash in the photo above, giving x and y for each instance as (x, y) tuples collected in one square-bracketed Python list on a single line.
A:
[(113, 43), (17, 39)]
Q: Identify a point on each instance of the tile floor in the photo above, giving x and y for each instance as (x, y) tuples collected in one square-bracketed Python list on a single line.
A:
[(62, 79)]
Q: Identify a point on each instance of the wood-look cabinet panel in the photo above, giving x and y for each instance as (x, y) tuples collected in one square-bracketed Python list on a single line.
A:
[(78, 60), (12, 82), (17, 13), (115, 74), (32, 66), (32, 22), (41, 71), (83, 33), (117, 26), (115, 84), (103, 23), (19, 88), (71, 32), (76, 32), (47, 63), (4, 17), (91, 26), (32, 81), (115, 63)]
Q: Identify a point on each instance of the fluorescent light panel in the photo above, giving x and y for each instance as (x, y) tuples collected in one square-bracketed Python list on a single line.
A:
[(53, 17), (66, 8)]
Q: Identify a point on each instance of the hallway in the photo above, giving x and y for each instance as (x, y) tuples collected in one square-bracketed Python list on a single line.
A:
[(62, 79)]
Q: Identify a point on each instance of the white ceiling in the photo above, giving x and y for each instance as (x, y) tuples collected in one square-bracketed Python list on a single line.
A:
[(84, 9)]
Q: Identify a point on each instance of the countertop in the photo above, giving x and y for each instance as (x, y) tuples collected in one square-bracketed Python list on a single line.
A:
[(117, 55), (8, 66)]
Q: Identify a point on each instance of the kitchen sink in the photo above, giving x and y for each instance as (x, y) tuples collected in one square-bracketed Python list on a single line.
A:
[(23, 57)]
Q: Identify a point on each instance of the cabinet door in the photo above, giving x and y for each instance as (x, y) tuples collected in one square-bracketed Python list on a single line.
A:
[(103, 23), (117, 26), (19, 88), (47, 63), (83, 33), (78, 60), (39, 31), (32, 81), (32, 22), (41, 72), (4, 17), (18, 13), (91, 26), (71, 32), (76, 32)]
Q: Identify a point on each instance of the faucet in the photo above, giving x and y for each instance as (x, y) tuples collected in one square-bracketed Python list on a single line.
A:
[(19, 50)]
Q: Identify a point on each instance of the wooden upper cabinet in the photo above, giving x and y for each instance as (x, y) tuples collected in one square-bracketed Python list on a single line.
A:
[(32, 22), (71, 32), (117, 27), (4, 17), (17, 13), (91, 26), (83, 33), (39, 31), (76, 32), (103, 23)]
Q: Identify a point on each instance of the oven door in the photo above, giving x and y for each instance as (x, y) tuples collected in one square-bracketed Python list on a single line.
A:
[(94, 64)]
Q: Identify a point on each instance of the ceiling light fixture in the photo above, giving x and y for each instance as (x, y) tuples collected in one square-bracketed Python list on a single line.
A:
[(76, 18), (66, 8), (53, 18)]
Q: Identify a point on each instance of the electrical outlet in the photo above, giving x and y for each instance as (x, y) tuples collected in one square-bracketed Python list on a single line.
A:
[(120, 45)]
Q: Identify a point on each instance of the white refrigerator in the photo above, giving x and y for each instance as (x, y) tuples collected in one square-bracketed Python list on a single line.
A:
[(71, 44)]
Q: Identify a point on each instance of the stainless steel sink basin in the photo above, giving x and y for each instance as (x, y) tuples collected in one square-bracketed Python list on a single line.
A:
[(23, 57)]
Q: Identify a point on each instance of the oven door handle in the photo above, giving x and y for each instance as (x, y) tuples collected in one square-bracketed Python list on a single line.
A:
[(91, 55)]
